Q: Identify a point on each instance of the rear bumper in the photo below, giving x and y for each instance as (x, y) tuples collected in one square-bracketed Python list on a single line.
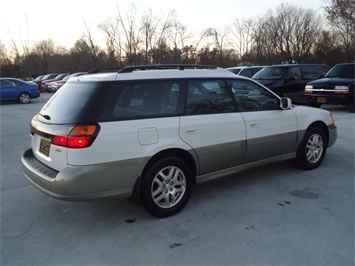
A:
[(81, 183)]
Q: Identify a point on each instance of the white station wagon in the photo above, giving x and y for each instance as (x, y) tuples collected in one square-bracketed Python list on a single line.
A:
[(153, 132)]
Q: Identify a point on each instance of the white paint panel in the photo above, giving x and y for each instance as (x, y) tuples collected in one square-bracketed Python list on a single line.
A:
[(120, 141)]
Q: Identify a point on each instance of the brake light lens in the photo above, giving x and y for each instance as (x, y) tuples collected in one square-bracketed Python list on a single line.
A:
[(80, 136), (60, 140)]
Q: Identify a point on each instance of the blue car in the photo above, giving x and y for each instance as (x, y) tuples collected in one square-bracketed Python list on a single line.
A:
[(12, 89)]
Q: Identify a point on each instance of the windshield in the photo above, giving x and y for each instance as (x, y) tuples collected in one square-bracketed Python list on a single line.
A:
[(75, 102), (341, 71), (271, 73)]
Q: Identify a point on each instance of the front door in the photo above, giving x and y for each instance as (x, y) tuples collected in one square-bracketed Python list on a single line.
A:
[(211, 127), (270, 131)]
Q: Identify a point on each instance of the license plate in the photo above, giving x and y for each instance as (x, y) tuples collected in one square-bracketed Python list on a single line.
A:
[(321, 100), (44, 147)]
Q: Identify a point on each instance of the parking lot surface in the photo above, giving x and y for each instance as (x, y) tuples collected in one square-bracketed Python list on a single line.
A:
[(272, 215)]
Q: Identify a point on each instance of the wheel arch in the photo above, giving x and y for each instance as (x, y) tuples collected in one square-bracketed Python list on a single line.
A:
[(183, 154), (322, 126), (21, 93)]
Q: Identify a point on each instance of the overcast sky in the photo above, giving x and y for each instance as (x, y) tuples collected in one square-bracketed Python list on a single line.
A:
[(63, 21)]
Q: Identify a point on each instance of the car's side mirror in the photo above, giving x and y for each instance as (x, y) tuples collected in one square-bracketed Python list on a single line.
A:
[(285, 103)]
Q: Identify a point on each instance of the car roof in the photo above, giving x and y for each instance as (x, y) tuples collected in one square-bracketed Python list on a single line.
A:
[(244, 67), (345, 64), (159, 74), (13, 79), (291, 65)]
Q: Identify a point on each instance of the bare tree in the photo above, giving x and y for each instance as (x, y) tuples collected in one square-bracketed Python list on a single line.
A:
[(110, 28), (154, 30), (128, 26), (218, 37), (4, 59), (178, 37), (44, 49), (241, 39), (292, 31), (264, 49), (341, 14)]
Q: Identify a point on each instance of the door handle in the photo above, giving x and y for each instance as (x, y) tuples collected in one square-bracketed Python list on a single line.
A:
[(191, 131)]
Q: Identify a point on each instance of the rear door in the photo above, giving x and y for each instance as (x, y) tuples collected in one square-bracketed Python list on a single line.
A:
[(270, 131), (211, 127), (8, 90)]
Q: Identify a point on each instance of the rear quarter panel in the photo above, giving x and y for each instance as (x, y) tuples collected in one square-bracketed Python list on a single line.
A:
[(133, 139)]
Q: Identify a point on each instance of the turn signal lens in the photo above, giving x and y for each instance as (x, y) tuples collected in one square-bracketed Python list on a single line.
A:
[(83, 130), (342, 92)]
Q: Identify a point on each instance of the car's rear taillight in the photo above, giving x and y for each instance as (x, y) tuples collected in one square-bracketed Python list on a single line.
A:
[(81, 136)]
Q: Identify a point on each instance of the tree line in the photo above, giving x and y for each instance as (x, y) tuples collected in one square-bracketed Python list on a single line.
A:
[(288, 34)]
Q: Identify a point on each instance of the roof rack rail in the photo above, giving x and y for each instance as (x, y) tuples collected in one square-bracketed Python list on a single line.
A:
[(103, 70), (129, 69)]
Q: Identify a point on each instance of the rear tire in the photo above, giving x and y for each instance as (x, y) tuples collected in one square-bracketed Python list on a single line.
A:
[(24, 97), (312, 149), (167, 186)]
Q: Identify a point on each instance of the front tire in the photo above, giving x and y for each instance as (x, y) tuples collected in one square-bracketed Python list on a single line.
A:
[(167, 186), (312, 149)]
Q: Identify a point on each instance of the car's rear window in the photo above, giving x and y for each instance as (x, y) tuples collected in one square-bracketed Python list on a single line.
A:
[(75, 102)]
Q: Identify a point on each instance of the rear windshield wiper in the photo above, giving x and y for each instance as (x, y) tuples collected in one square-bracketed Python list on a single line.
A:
[(45, 116)]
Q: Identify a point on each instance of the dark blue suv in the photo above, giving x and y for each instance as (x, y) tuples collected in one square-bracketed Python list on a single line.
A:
[(337, 87), (289, 80)]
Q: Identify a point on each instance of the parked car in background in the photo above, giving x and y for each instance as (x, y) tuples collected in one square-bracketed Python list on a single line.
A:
[(44, 83), (28, 79), (290, 80), (337, 87), (46, 77), (56, 85), (12, 89), (38, 79), (154, 131), (245, 71)]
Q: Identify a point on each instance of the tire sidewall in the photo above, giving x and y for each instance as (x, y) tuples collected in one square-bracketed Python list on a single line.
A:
[(147, 199), (301, 153), (22, 94)]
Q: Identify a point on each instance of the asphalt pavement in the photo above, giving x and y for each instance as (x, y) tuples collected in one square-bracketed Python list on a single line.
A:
[(272, 215)]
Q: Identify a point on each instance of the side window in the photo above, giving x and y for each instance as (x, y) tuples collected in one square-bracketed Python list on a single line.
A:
[(322, 70), (312, 72), (246, 73), (294, 73), (208, 97), (10, 84), (142, 99), (249, 96)]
